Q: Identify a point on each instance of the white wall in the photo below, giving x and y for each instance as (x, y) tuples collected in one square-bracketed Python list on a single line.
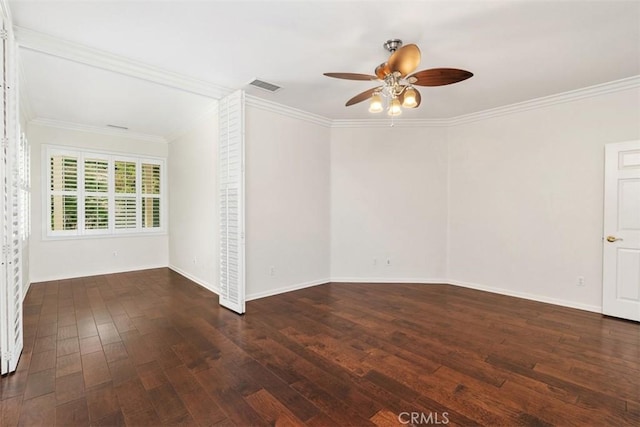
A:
[(287, 202), (526, 198), (193, 209), (388, 201), (64, 258), (511, 204)]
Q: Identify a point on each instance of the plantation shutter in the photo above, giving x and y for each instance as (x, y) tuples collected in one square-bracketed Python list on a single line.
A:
[(11, 339), (231, 201), (96, 191), (63, 170), (125, 195), (150, 211)]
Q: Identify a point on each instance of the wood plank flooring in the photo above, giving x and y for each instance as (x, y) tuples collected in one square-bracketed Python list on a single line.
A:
[(152, 348)]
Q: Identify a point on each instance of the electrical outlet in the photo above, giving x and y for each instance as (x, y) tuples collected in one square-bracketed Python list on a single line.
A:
[(388, 262), (580, 281), (272, 271)]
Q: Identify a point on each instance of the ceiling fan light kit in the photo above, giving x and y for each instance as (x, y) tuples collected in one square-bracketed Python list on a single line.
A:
[(397, 90)]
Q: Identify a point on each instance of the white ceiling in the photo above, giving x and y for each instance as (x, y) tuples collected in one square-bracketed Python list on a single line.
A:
[(518, 50)]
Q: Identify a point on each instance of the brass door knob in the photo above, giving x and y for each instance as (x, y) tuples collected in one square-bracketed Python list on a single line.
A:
[(612, 239)]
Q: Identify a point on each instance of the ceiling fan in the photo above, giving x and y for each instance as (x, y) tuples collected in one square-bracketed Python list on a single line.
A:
[(398, 82)]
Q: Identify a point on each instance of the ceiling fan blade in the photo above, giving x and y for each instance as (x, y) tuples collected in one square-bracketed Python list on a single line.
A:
[(362, 96), (351, 76), (382, 70), (439, 76), (405, 60)]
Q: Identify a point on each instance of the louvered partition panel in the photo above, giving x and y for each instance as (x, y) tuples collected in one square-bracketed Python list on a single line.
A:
[(231, 201), (4, 220), (14, 270), (12, 339)]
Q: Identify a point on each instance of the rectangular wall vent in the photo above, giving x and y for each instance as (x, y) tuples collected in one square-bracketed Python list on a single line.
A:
[(270, 87), (118, 127)]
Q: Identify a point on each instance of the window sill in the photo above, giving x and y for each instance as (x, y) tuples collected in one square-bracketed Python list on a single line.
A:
[(47, 238)]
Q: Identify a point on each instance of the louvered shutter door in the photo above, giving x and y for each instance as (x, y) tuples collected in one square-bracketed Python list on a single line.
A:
[(231, 201), (4, 228), (12, 339)]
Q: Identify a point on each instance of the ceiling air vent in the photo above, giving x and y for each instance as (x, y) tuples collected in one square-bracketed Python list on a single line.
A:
[(269, 87), (118, 127)]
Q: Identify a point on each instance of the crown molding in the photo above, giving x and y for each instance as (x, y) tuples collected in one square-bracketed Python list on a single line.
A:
[(39, 42), (560, 98), (98, 129), (591, 91), (287, 111), (547, 101), (385, 123)]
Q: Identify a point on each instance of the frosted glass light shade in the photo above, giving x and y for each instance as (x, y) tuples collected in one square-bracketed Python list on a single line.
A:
[(394, 107), (409, 98), (375, 106)]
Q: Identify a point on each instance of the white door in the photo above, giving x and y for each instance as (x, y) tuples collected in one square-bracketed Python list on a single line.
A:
[(231, 201), (621, 265)]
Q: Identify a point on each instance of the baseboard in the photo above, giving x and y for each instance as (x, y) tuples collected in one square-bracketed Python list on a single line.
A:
[(418, 280), (476, 286), (284, 289), (97, 273), (525, 295), (208, 286), (253, 296), (26, 290)]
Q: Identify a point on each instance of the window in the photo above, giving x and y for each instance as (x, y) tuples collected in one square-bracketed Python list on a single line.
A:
[(93, 193)]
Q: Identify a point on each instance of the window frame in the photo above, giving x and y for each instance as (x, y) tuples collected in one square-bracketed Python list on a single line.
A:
[(81, 232)]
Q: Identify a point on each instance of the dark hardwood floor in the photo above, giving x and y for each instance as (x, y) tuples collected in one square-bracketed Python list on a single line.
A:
[(152, 348)]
